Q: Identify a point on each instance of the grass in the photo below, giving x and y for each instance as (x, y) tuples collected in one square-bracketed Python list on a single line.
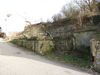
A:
[(81, 62)]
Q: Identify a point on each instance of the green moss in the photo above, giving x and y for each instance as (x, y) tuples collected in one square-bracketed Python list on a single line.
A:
[(45, 47), (51, 46), (83, 62), (14, 41)]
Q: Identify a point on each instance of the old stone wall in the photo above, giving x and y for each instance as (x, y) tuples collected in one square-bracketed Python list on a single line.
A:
[(39, 46), (95, 49), (63, 37), (83, 38), (43, 44)]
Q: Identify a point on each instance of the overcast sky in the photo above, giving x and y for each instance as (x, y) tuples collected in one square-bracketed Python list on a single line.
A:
[(32, 10)]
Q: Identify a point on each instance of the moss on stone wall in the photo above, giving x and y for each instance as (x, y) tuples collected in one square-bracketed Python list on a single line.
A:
[(39, 46)]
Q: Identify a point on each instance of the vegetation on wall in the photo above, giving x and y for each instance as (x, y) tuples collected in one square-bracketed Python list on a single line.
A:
[(78, 12)]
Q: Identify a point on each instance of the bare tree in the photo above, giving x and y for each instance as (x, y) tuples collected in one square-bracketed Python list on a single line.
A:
[(70, 11), (57, 17), (89, 5)]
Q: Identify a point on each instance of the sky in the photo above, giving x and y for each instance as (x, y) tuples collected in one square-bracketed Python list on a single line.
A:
[(31, 10)]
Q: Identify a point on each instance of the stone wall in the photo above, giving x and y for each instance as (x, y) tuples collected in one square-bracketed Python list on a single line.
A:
[(39, 46), (64, 38), (95, 49), (83, 38), (42, 43)]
